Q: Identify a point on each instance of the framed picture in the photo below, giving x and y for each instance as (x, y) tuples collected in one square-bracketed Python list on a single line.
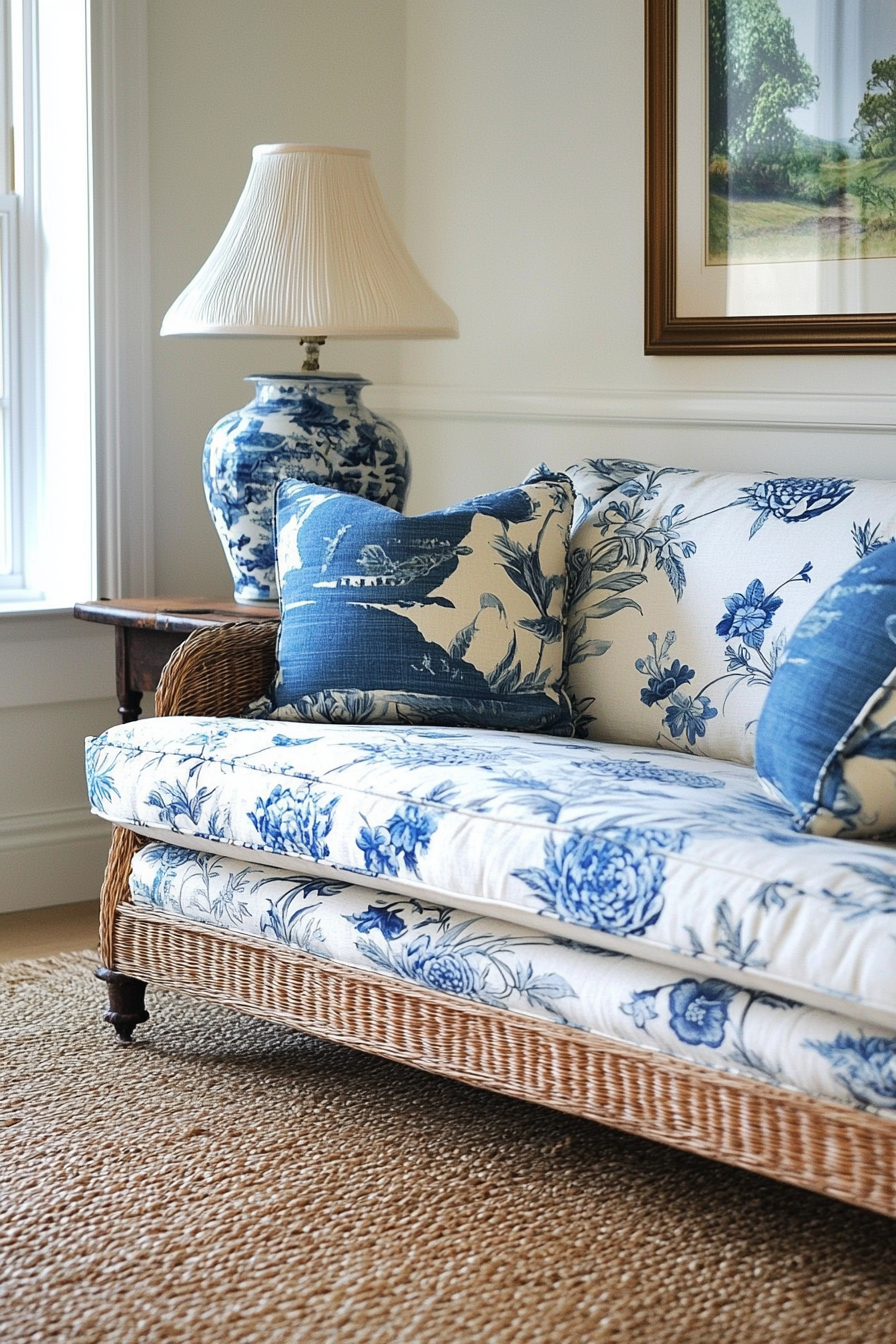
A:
[(771, 177)]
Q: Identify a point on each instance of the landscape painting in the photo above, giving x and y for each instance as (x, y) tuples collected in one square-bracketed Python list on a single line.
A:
[(801, 130)]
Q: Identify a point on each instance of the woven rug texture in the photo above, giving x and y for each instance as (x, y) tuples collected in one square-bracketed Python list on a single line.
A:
[(232, 1182)]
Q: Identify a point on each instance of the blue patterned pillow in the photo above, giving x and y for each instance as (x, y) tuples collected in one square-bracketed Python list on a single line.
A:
[(826, 741), (453, 617)]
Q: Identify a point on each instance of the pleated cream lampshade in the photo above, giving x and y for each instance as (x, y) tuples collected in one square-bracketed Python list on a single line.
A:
[(309, 251)]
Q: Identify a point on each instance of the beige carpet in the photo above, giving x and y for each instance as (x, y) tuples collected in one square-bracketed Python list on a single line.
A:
[(233, 1181)]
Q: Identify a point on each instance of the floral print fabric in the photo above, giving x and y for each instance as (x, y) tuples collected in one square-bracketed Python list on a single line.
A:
[(685, 587), (450, 617), (693, 1017), (677, 860)]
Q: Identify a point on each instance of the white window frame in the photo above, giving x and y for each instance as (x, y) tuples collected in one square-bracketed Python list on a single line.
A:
[(123, 323), (12, 564), (14, 500), (100, 457)]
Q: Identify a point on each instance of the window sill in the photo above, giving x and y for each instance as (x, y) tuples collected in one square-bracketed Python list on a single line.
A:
[(33, 607)]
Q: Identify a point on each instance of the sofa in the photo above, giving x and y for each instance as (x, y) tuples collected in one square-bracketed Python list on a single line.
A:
[(613, 917)]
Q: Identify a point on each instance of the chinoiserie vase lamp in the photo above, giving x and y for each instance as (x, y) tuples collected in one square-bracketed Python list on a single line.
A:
[(310, 252)]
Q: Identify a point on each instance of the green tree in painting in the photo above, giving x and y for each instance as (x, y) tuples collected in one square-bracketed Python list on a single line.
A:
[(756, 76), (876, 123)]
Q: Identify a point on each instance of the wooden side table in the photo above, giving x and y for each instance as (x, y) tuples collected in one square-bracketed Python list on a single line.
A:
[(149, 629)]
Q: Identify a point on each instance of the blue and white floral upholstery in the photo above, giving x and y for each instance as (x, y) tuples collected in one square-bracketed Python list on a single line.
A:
[(826, 742), (684, 861), (685, 586), (706, 1020), (448, 617)]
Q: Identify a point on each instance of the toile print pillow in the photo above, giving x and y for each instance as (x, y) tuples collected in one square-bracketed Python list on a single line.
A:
[(684, 588), (453, 617), (826, 741)]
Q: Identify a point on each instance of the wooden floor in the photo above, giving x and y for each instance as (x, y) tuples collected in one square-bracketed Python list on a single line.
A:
[(51, 929)]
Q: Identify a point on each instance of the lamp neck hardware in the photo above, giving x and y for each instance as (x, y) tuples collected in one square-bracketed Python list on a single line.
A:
[(312, 346)]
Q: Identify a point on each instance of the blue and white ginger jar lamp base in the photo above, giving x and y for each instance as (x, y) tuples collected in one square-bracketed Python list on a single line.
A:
[(313, 426)]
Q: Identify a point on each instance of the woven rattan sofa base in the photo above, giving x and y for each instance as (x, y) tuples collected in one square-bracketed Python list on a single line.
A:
[(823, 1146), (820, 1145)]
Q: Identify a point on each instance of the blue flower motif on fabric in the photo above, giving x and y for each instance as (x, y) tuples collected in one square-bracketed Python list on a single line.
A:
[(685, 714), (381, 917), (441, 968), (375, 843), (700, 1014), (662, 681), (641, 1007), (410, 830), (749, 614), (458, 959), (403, 838), (689, 714), (291, 824), (698, 1011), (612, 884), (865, 1064), (794, 499)]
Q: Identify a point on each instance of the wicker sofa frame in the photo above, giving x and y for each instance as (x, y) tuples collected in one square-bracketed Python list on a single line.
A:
[(820, 1145)]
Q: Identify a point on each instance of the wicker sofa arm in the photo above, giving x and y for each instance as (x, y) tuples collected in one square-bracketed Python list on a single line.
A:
[(215, 672), (218, 671)]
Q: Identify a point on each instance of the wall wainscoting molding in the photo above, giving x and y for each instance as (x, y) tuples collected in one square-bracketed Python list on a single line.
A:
[(53, 826), (52, 857), (843, 413)]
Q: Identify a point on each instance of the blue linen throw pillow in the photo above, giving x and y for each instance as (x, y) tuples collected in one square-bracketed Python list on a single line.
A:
[(826, 740), (454, 617)]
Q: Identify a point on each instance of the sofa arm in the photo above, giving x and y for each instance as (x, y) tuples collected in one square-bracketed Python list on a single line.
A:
[(219, 670), (215, 672)]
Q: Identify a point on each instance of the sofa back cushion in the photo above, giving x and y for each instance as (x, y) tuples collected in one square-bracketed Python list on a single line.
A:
[(453, 617), (684, 588)]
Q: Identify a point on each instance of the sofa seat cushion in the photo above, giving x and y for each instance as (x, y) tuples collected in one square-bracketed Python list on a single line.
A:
[(705, 1020), (683, 857)]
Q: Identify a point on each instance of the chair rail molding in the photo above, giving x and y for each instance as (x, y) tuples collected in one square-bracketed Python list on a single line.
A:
[(122, 299), (819, 412)]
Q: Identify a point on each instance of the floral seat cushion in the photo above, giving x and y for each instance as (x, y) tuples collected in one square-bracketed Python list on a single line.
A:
[(690, 1016), (685, 587), (681, 860)]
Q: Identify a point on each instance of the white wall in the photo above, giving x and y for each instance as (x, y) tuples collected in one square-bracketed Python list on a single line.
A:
[(57, 686), (524, 207)]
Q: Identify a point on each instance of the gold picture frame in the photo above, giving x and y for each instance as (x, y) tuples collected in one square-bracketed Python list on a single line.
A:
[(668, 330)]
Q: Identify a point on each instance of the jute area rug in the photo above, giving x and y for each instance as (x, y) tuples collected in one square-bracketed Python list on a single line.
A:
[(234, 1181)]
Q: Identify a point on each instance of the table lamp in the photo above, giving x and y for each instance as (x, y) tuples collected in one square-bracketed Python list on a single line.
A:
[(309, 252)]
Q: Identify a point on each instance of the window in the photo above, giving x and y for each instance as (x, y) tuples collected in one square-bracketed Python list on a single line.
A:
[(11, 559), (46, 437)]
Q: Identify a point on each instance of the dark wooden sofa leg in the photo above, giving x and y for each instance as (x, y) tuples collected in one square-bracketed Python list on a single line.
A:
[(126, 1002)]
